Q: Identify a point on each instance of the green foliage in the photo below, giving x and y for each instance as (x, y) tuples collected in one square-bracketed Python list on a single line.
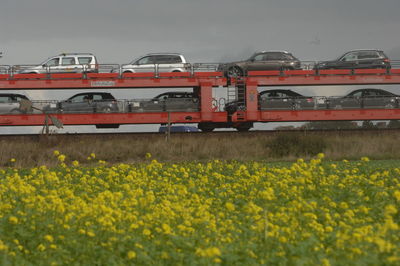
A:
[(296, 145)]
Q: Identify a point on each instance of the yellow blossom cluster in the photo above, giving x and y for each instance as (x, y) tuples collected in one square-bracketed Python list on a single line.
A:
[(302, 213)]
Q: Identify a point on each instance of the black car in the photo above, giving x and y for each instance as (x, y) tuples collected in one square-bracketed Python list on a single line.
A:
[(276, 99), (168, 101), (268, 60), (365, 98), (357, 59), (87, 102)]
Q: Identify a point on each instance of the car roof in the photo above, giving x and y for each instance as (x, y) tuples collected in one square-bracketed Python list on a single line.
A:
[(13, 94), (274, 51), (82, 54), (163, 54), (280, 90), (360, 50)]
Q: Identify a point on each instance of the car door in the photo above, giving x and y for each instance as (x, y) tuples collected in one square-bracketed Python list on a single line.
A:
[(6, 104), (349, 60), (273, 61), (378, 99), (52, 65), (68, 65), (275, 100), (353, 100), (257, 62), (78, 104), (368, 59), (167, 63), (145, 64)]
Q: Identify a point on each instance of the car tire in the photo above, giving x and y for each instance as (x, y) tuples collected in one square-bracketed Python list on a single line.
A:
[(389, 106), (175, 71), (15, 111), (243, 129), (235, 72), (106, 109)]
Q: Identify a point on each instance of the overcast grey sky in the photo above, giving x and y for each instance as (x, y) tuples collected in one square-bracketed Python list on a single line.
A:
[(204, 30)]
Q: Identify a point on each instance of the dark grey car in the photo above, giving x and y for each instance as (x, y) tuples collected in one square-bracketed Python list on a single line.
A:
[(357, 59), (169, 101), (11, 103), (285, 99), (276, 99), (87, 102), (268, 60), (365, 98)]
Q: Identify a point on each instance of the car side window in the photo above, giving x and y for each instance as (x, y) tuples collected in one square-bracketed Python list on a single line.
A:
[(4, 99), (174, 59), (349, 57), (367, 55), (146, 60), (67, 61), (274, 56), (84, 60), (53, 62), (259, 57), (78, 98), (357, 94), (97, 97)]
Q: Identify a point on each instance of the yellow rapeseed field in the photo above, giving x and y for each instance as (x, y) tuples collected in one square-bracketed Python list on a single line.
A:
[(231, 213)]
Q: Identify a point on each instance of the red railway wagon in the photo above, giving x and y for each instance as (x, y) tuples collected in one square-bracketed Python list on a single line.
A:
[(207, 117)]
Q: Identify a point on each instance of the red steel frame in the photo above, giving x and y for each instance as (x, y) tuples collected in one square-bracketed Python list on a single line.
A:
[(205, 81)]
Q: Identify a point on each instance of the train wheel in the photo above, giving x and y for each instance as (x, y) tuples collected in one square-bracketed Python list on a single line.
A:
[(234, 72)]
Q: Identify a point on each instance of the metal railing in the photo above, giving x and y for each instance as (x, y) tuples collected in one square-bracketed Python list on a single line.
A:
[(193, 105), (155, 69)]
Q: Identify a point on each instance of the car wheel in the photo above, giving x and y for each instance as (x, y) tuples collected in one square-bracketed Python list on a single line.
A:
[(106, 109), (389, 106), (242, 129), (15, 111), (296, 106), (176, 71), (234, 72)]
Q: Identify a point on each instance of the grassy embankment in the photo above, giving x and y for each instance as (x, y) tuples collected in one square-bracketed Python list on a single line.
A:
[(38, 150)]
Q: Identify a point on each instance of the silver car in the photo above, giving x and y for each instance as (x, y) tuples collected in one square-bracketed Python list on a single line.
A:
[(160, 62), (10, 103), (63, 63)]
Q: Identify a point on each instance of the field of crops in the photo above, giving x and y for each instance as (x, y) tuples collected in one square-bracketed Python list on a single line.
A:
[(314, 212)]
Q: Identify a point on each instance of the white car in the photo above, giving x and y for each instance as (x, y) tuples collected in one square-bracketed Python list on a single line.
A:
[(160, 62), (11, 103), (64, 63)]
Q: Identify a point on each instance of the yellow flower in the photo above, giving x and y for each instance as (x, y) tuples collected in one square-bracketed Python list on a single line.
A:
[(12, 160), (56, 153), (13, 220), (148, 155), (75, 163), (365, 159), (49, 238), (131, 254), (146, 232), (61, 157), (92, 155), (230, 206), (41, 247), (396, 195)]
